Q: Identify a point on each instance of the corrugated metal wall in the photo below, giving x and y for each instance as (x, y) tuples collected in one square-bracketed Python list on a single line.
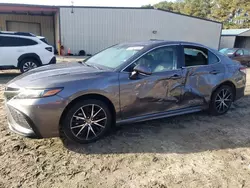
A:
[(242, 42), (94, 29), (227, 42), (47, 23)]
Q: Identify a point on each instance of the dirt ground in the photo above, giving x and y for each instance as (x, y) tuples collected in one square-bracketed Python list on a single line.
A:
[(195, 150)]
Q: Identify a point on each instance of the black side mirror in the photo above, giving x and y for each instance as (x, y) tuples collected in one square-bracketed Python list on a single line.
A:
[(140, 69)]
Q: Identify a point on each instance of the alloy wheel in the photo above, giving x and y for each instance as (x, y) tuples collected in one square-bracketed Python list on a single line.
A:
[(88, 122), (29, 65), (223, 100)]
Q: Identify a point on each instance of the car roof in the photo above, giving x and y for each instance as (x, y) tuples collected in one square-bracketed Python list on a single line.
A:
[(155, 43), (17, 33)]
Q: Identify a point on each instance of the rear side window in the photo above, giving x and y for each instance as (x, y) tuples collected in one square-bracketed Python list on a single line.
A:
[(212, 58), (44, 40), (195, 56), (15, 41)]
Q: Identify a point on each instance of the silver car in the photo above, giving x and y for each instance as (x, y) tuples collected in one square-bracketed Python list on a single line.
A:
[(126, 83)]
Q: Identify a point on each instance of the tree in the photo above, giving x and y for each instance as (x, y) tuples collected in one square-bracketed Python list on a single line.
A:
[(199, 8), (147, 6), (165, 5), (232, 13)]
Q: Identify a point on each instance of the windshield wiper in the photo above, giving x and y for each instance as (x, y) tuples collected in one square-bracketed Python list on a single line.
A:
[(90, 65)]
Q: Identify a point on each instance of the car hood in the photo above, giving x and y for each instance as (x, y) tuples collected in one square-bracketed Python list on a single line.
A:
[(53, 74)]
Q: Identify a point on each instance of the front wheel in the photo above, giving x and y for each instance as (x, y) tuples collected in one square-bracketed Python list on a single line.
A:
[(222, 100), (87, 121)]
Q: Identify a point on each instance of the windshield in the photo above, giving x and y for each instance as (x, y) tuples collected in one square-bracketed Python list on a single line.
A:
[(114, 56), (228, 51), (223, 50)]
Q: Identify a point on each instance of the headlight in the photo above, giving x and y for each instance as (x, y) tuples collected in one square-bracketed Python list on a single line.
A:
[(37, 93)]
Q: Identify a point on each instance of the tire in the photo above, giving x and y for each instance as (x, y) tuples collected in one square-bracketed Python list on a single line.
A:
[(77, 125), (221, 100), (28, 64)]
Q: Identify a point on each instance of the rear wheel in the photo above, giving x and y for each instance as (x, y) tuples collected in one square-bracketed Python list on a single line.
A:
[(222, 100), (87, 121), (28, 64)]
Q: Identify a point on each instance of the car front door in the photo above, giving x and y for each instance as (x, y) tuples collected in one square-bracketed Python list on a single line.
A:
[(155, 93), (202, 70), (239, 56), (245, 58), (11, 49)]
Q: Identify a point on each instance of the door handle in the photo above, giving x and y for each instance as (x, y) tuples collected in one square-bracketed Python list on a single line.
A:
[(175, 76), (214, 72)]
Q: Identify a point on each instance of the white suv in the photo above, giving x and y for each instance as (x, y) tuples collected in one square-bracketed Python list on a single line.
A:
[(24, 51)]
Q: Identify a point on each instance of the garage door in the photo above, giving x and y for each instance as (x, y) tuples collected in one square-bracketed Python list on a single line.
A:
[(34, 28)]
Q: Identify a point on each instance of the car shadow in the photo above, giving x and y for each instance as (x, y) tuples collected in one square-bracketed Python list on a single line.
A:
[(6, 77), (182, 134)]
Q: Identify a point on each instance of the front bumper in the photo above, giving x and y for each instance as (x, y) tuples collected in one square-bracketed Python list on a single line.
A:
[(240, 92), (35, 118)]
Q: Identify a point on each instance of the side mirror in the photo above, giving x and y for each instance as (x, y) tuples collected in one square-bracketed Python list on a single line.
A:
[(140, 69)]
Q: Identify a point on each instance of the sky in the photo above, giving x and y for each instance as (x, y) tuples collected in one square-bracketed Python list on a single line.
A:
[(117, 3)]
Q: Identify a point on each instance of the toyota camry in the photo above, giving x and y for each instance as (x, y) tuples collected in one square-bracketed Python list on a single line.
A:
[(123, 84)]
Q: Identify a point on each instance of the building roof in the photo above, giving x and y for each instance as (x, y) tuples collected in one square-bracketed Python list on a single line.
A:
[(6, 6), (234, 32)]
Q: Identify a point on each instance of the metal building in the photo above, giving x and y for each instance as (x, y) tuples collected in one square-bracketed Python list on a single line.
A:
[(94, 28), (235, 38), (40, 20)]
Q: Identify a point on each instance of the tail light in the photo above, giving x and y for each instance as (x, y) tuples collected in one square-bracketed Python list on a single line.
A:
[(243, 69), (49, 49)]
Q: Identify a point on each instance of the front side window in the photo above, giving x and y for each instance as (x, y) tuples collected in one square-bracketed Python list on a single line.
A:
[(114, 56), (239, 53), (195, 56), (159, 60)]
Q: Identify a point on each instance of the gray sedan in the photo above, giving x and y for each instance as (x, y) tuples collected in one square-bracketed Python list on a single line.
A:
[(126, 83)]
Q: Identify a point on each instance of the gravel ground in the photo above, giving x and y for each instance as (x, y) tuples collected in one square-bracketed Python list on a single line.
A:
[(195, 150)]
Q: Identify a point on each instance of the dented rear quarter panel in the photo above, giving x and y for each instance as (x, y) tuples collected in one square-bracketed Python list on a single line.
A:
[(200, 83)]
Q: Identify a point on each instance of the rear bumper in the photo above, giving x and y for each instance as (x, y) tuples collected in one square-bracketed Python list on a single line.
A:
[(53, 60)]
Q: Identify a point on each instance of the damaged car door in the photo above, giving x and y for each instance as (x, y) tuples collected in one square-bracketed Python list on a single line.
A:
[(155, 93), (203, 71)]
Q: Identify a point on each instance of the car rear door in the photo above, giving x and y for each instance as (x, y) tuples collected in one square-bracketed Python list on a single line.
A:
[(202, 70), (159, 92)]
